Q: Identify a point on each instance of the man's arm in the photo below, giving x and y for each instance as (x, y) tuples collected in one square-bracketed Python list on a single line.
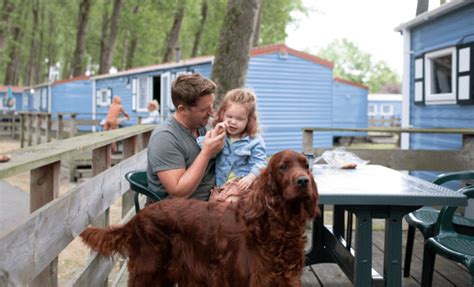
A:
[(181, 183)]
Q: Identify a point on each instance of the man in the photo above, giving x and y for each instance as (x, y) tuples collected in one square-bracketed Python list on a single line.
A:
[(177, 166)]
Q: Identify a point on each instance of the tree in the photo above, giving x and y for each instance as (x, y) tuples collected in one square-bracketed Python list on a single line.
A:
[(352, 64), (83, 18), (232, 57), (197, 37), (173, 35), (109, 35)]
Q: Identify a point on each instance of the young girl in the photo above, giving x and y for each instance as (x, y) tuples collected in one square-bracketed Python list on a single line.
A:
[(243, 155)]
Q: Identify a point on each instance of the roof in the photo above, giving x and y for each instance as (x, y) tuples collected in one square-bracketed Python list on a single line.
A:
[(270, 49), (169, 65), (78, 78), (433, 14), (385, 97), (283, 48), (358, 85), (15, 89)]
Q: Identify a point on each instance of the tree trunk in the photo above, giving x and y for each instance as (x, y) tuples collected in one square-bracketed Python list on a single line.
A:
[(173, 35), (29, 69), (422, 6), (84, 8), (39, 59), (7, 9), (256, 33), (132, 44), (231, 61), (51, 50), (197, 37), (108, 47)]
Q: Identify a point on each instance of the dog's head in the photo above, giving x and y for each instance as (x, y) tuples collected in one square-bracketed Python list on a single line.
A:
[(288, 182)]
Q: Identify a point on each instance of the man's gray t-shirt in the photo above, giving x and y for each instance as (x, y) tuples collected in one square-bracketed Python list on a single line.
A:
[(172, 146)]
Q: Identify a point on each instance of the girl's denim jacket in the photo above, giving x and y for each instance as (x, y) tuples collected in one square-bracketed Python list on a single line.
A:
[(242, 156)]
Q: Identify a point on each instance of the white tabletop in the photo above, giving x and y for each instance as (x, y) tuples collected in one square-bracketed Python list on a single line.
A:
[(379, 185)]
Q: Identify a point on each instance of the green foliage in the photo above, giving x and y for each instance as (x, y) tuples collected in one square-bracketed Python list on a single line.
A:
[(352, 64), (149, 26)]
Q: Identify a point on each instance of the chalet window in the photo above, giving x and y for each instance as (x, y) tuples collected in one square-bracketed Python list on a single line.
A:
[(142, 93), (372, 110), (465, 76), (104, 97), (440, 76), (386, 110)]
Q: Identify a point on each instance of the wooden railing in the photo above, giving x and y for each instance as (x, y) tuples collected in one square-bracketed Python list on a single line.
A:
[(29, 252), (434, 160), (9, 125)]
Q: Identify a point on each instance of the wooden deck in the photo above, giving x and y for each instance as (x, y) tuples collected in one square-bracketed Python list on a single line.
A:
[(447, 273)]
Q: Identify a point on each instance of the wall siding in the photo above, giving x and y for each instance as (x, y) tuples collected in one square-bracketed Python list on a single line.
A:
[(443, 32), (292, 93), (72, 97), (349, 108)]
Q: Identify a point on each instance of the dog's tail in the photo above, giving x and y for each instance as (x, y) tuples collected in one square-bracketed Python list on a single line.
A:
[(107, 241)]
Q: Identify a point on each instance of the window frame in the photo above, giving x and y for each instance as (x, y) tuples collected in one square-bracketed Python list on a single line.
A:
[(389, 113), (148, 96), (374, 112), (103, 92), (444, 98)]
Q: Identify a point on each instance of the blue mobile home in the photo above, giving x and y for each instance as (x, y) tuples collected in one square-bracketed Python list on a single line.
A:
[(349, 106), (293, 91), (438, 83), (384, 110), (11, 99)]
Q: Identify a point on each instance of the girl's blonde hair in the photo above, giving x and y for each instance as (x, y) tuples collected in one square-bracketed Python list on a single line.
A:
[(246, 98)]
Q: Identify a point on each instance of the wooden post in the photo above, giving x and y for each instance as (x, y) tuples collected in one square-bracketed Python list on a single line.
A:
[(22, 130), (145, 139), (308, 141), (37, 129), (30, 129), (139, 121), (468, 151), (44, 187), (48, 128), (72, 125), (101, 160), (129, 149), (59, 134)]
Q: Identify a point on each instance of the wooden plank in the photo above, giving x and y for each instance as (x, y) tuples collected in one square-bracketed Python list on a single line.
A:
[(415, 159), (33, 157), (329, 274), (101, 160), (309, 279), (398, 130), (44, 187), (129, 149), (47, 231)]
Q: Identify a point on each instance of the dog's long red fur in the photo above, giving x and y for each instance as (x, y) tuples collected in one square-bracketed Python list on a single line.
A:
[(258, 241)]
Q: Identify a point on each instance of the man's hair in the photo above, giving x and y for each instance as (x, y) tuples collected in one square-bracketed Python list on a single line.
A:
[(187, 89), (246, 98)]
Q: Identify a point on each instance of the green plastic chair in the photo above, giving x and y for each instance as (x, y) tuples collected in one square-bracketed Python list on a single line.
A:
[(425, 219), (448, 243), (139, 184)]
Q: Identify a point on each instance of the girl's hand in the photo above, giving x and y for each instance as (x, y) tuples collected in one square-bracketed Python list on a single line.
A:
[(246, 181)]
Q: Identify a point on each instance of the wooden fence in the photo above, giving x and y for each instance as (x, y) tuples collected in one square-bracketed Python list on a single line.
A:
[(29, 252), (435, 160), (9, 125)]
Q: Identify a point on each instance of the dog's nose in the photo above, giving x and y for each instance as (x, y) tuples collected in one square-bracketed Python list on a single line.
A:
[(302, 181)]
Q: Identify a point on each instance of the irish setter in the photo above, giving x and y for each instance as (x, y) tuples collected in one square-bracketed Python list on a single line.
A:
[(257, 241)]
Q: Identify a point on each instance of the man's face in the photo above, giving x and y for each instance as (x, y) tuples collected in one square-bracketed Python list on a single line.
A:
[(198, 116)]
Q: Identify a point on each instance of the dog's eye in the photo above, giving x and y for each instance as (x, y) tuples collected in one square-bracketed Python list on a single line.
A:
[(307, 166), (283, 167)]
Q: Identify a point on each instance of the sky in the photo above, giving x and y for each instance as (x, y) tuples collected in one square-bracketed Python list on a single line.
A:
[(369, 24)]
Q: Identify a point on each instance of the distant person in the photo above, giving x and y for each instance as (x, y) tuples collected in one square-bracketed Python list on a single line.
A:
[(154, 116), (112, 119), (243, 155)]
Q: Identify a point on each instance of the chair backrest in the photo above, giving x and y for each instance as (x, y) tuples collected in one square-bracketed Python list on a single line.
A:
[(445, 218), (460, 175), (139, 184)]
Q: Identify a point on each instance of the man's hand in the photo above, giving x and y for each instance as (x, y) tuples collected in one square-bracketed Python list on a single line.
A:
[(246, 181), (213, 144), (219, 129)]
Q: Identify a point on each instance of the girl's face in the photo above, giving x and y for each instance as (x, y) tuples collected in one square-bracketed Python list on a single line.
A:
[(236, 117)]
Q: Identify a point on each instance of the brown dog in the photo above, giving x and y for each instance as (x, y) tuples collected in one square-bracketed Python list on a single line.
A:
[(257, 241)]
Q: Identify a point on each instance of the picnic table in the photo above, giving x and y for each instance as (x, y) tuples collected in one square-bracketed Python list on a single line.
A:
[(370, 191)]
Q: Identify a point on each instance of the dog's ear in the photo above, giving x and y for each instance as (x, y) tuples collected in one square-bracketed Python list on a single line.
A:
[(311, 205)]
